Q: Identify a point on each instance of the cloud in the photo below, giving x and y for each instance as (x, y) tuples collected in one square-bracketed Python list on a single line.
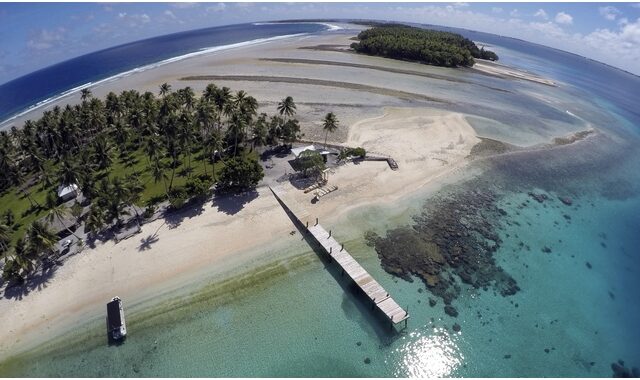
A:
[(216, 8), (496, 9), (622, 43), (514, 13), (134, 20), (564, 18), (609, 12), (636, 5), (170, 14), (542, 14), (44, 39)]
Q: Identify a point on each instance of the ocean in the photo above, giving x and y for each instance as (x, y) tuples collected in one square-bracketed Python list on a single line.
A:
[(568, 233), (48, 84)]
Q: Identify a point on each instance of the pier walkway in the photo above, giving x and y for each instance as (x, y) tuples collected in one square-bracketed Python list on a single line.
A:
[(379, 297)]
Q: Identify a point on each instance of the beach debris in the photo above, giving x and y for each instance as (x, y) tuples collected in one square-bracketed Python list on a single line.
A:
[(508, 356), (456, 327), (546, 249), (358, 343), (432, 302), (546, 350), (367, 360), (588, 264)]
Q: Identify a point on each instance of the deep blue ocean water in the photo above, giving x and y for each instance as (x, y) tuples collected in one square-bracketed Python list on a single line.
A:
[(577, 311), (21, 93)]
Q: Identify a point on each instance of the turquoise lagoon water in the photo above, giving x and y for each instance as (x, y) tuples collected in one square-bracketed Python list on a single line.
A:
[(300, 321), (575, 314)]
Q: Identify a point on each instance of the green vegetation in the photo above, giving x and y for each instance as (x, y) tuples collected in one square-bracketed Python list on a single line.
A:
[(423, 45), (124, 152), (352, 152), (311, 163), (240, 174), (329, 124)]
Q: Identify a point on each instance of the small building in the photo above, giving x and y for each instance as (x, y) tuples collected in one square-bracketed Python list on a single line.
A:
[(68, 192)]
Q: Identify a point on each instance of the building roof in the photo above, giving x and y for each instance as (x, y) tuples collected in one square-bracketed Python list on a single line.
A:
[(63, 191), (298, 151)]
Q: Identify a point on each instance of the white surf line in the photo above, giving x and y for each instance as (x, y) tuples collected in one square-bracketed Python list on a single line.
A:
[(198, 53), (331, 27)]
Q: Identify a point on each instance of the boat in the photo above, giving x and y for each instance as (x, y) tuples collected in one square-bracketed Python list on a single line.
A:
[(116, 327)]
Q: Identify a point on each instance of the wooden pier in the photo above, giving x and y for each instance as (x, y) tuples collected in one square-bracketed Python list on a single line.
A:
[(379, 297), (379, 157)]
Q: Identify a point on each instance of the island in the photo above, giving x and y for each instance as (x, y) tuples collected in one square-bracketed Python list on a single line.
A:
[(427, 46)]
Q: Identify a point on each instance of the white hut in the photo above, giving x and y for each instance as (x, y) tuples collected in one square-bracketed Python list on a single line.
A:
[(66, 193)]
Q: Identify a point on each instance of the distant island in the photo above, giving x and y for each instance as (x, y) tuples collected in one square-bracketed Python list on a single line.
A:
[(427, 46)]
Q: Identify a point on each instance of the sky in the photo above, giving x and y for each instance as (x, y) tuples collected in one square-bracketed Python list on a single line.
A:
[(36, 35)]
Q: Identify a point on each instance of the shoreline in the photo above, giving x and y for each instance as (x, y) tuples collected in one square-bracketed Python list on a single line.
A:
[(4, 124)]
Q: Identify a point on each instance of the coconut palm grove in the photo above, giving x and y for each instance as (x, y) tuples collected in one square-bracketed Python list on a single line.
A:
[(127, 154)]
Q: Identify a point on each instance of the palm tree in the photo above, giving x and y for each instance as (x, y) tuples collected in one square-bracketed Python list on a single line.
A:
[(116, 201), (210, 92), (40, 240), (26, 191), (95, 219), (58, 211), (330, 124), (214, 143), (160, 175), (133, 192), (236, 126), (287, 107), (86, 181), (102, 153), (185, 136), (5, 238), (68, 171), (259, 131), (85, 94), (19, 263), (165, 89), (221, 99), (188, 98), (151, 146), (205, 117)]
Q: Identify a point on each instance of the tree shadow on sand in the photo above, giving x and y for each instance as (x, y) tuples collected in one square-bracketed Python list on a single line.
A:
[(35, 282), (173, 218), (231, 204), (146, 243)]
